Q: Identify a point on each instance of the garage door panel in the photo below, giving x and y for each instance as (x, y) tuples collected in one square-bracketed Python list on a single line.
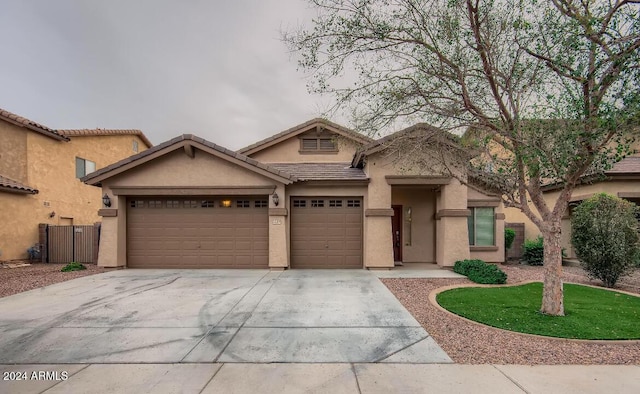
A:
[(325, 233), (217, 237)]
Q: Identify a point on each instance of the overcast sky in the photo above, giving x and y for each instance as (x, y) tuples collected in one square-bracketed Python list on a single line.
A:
[(212, 68)]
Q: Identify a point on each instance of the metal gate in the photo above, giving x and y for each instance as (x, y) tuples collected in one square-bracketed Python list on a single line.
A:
[(515, 252), (70, 243)]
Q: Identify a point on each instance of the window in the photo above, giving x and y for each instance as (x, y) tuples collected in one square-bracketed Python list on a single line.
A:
[(353, 203), (318, 145), (335, 203), (207, 204), (243, 204), (317, 203), (135, 146), (481, 227), (155, 204), (173, 204), (191, 204), (84, 167), (136, 204), (261, 204), (299, 203)]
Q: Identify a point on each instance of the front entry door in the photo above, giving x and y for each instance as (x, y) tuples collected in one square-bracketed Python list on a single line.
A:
[(396, 228)]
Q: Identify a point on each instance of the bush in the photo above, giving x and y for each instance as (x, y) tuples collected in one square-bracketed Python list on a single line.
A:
[(533, 251), (604, 234), (73, 266), (480, 272), (509, 236)]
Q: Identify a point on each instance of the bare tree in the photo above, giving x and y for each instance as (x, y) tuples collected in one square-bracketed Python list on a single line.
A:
[(548, 90)]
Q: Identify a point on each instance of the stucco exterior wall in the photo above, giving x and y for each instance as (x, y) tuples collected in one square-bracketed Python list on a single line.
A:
[(13, 152), (50, 168), (581, 192), (288, 151), (178, 169)]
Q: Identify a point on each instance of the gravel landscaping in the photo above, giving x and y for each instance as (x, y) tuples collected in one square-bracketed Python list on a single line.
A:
[(470, 343), (19, 279)]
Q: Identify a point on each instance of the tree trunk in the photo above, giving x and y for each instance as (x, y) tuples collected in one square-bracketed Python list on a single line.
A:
[(552, 294)]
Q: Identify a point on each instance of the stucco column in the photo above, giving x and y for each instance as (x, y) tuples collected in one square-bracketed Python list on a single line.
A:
[(278, 248), (378, 240), (452, 232), (113, 235)]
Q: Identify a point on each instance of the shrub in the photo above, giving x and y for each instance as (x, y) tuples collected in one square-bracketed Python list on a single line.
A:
[(480, 272), (604, 233), (533, 251), (509, 236), (462, 267), (73, 266)]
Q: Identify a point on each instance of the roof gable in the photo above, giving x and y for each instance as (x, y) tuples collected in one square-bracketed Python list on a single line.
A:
[(385, 142), (318, 124), (188, 143), (31, 125)]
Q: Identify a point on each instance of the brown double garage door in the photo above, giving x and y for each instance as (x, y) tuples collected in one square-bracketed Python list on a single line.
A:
[(232, 232), (209, 232)]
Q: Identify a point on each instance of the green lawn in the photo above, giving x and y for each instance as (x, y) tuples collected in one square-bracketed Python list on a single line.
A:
[(590, 313)]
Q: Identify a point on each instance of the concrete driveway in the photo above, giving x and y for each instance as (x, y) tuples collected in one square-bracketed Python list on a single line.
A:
[(174, 316)]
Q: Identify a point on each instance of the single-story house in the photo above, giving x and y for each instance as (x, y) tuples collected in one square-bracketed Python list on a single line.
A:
[(317, 195)]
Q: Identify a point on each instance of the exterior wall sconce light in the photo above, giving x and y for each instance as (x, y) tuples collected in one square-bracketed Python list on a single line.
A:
[(276, 199), (52, 214), (106, 200)]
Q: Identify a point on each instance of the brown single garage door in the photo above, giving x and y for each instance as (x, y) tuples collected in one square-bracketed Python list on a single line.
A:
[(326, 232), (198, 232)]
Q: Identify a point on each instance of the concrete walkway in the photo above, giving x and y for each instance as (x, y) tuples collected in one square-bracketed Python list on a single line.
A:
[(320, 378)]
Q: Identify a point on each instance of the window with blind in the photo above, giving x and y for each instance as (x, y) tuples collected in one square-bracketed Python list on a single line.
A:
[(482, 227)]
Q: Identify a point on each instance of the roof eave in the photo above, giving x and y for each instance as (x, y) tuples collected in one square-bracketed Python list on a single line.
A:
[(18, 190)]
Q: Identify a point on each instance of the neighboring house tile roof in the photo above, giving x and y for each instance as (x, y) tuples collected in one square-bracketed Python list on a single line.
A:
[(10, 185), (131, 160), (98, 131), (322, 171), (31, 125), (628, 165), (301, 128)]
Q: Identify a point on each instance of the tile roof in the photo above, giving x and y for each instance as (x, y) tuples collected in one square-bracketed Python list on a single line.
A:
[(15, 186), (179, 139), (37, 127), (628, 165), (301, 127), (322, 171), (383, 142), (98, 131)]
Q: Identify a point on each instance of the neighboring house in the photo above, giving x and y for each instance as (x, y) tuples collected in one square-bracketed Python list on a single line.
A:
[(317, 195), (40, 171), (623, 180)]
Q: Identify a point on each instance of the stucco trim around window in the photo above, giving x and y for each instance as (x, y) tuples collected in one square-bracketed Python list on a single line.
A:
[(483, 203), (473, 248)]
